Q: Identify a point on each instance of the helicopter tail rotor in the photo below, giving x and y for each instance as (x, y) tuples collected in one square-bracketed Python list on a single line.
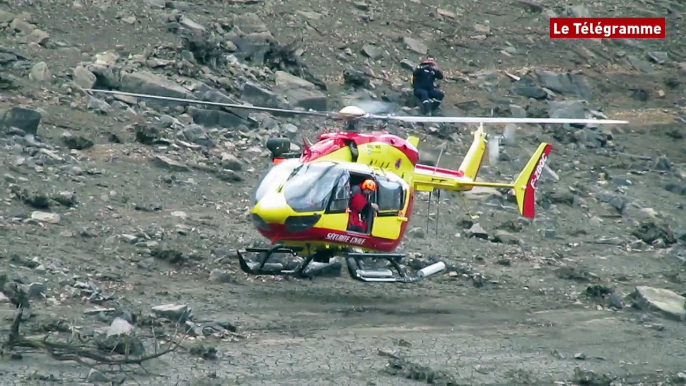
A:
[(496, 141), (493, 150)]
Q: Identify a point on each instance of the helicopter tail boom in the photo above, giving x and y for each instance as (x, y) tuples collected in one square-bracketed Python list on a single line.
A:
[(427, 179)]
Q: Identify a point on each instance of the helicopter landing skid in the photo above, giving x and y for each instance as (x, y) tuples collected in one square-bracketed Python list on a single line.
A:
[(306, 269), (309, 268), (385, 275)]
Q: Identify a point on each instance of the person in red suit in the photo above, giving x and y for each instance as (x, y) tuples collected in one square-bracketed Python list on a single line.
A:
[(360, 207)]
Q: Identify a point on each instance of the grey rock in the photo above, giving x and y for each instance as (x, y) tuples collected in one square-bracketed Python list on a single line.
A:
[(221, 276), (287, 81), (108, 76), (477, 231), (567, 109), (307, 99), (658, 57), (663, 163), (249, 23), (215, 118), (408, 64), (231, 162), (676, 188), (144, 82), (160, 4), (290, 129), (530, 92), (67, 199), (168, 163), (36, 290), (197, 134), (650, 232), (566, 83), (506, 237), (669, 303), (577, 11), (83, 77), (517, 111), (37, 36), (372, 51), (40, 72), (95, 376), (640, 64), (22, 118), (189, 24), (6, 17), (98, 105), (415, 45), (217, 96), (616, 201), (258, 95), (7, 58), (118, 327), (174, 312), (76, 141)]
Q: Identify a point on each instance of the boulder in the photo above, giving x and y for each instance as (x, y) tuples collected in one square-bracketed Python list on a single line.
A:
[(307, 99), (669, 303), (22, 118), (259, 96), (144, 82), (215, 118)]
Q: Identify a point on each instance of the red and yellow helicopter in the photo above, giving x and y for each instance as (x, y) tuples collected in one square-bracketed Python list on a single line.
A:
[(301, 204)]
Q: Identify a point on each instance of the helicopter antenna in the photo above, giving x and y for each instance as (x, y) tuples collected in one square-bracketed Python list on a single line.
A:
[(428, 213), (438, 198)]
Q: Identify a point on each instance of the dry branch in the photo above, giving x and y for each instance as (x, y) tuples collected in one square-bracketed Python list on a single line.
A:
[(80, 353)]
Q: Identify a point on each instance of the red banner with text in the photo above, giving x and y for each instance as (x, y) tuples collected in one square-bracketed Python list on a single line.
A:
[(607, 28)]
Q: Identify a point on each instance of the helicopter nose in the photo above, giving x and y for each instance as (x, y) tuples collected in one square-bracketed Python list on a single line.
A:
[(270, 210), (276, 214)]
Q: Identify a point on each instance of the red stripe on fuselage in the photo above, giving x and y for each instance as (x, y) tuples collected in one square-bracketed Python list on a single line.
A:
[(279, 234)]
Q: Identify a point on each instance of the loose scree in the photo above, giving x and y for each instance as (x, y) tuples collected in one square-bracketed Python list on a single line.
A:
[(302, 204)]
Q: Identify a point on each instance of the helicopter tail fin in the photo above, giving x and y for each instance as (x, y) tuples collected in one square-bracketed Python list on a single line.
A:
[(526, 183), (472, 161)]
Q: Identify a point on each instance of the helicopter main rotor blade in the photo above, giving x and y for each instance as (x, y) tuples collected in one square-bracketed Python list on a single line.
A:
[(208, 103), (492, 120)]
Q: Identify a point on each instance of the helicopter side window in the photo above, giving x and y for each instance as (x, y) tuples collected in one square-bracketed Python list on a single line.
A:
[(341, 196), (273, 177), (389, 195), (311, 187)]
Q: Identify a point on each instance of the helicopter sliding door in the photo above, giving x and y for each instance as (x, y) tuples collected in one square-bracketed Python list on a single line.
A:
[(336, 217), (390, 197)]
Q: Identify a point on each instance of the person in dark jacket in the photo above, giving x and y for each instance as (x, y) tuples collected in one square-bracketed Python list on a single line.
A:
[(424, 88)]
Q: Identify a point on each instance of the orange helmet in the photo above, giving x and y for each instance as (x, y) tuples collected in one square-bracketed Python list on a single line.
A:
[(368, 185)]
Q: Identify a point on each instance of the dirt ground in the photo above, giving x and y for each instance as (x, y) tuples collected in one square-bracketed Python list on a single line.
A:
[(549, 301)]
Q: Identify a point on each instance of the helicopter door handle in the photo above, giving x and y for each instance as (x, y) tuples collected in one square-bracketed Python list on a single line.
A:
[(402, 219)]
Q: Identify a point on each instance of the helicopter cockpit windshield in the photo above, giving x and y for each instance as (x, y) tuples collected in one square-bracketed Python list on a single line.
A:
[(310, 187), (276, 175)]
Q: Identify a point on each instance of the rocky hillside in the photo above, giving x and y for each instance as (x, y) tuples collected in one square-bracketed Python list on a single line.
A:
[(121, 216)]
